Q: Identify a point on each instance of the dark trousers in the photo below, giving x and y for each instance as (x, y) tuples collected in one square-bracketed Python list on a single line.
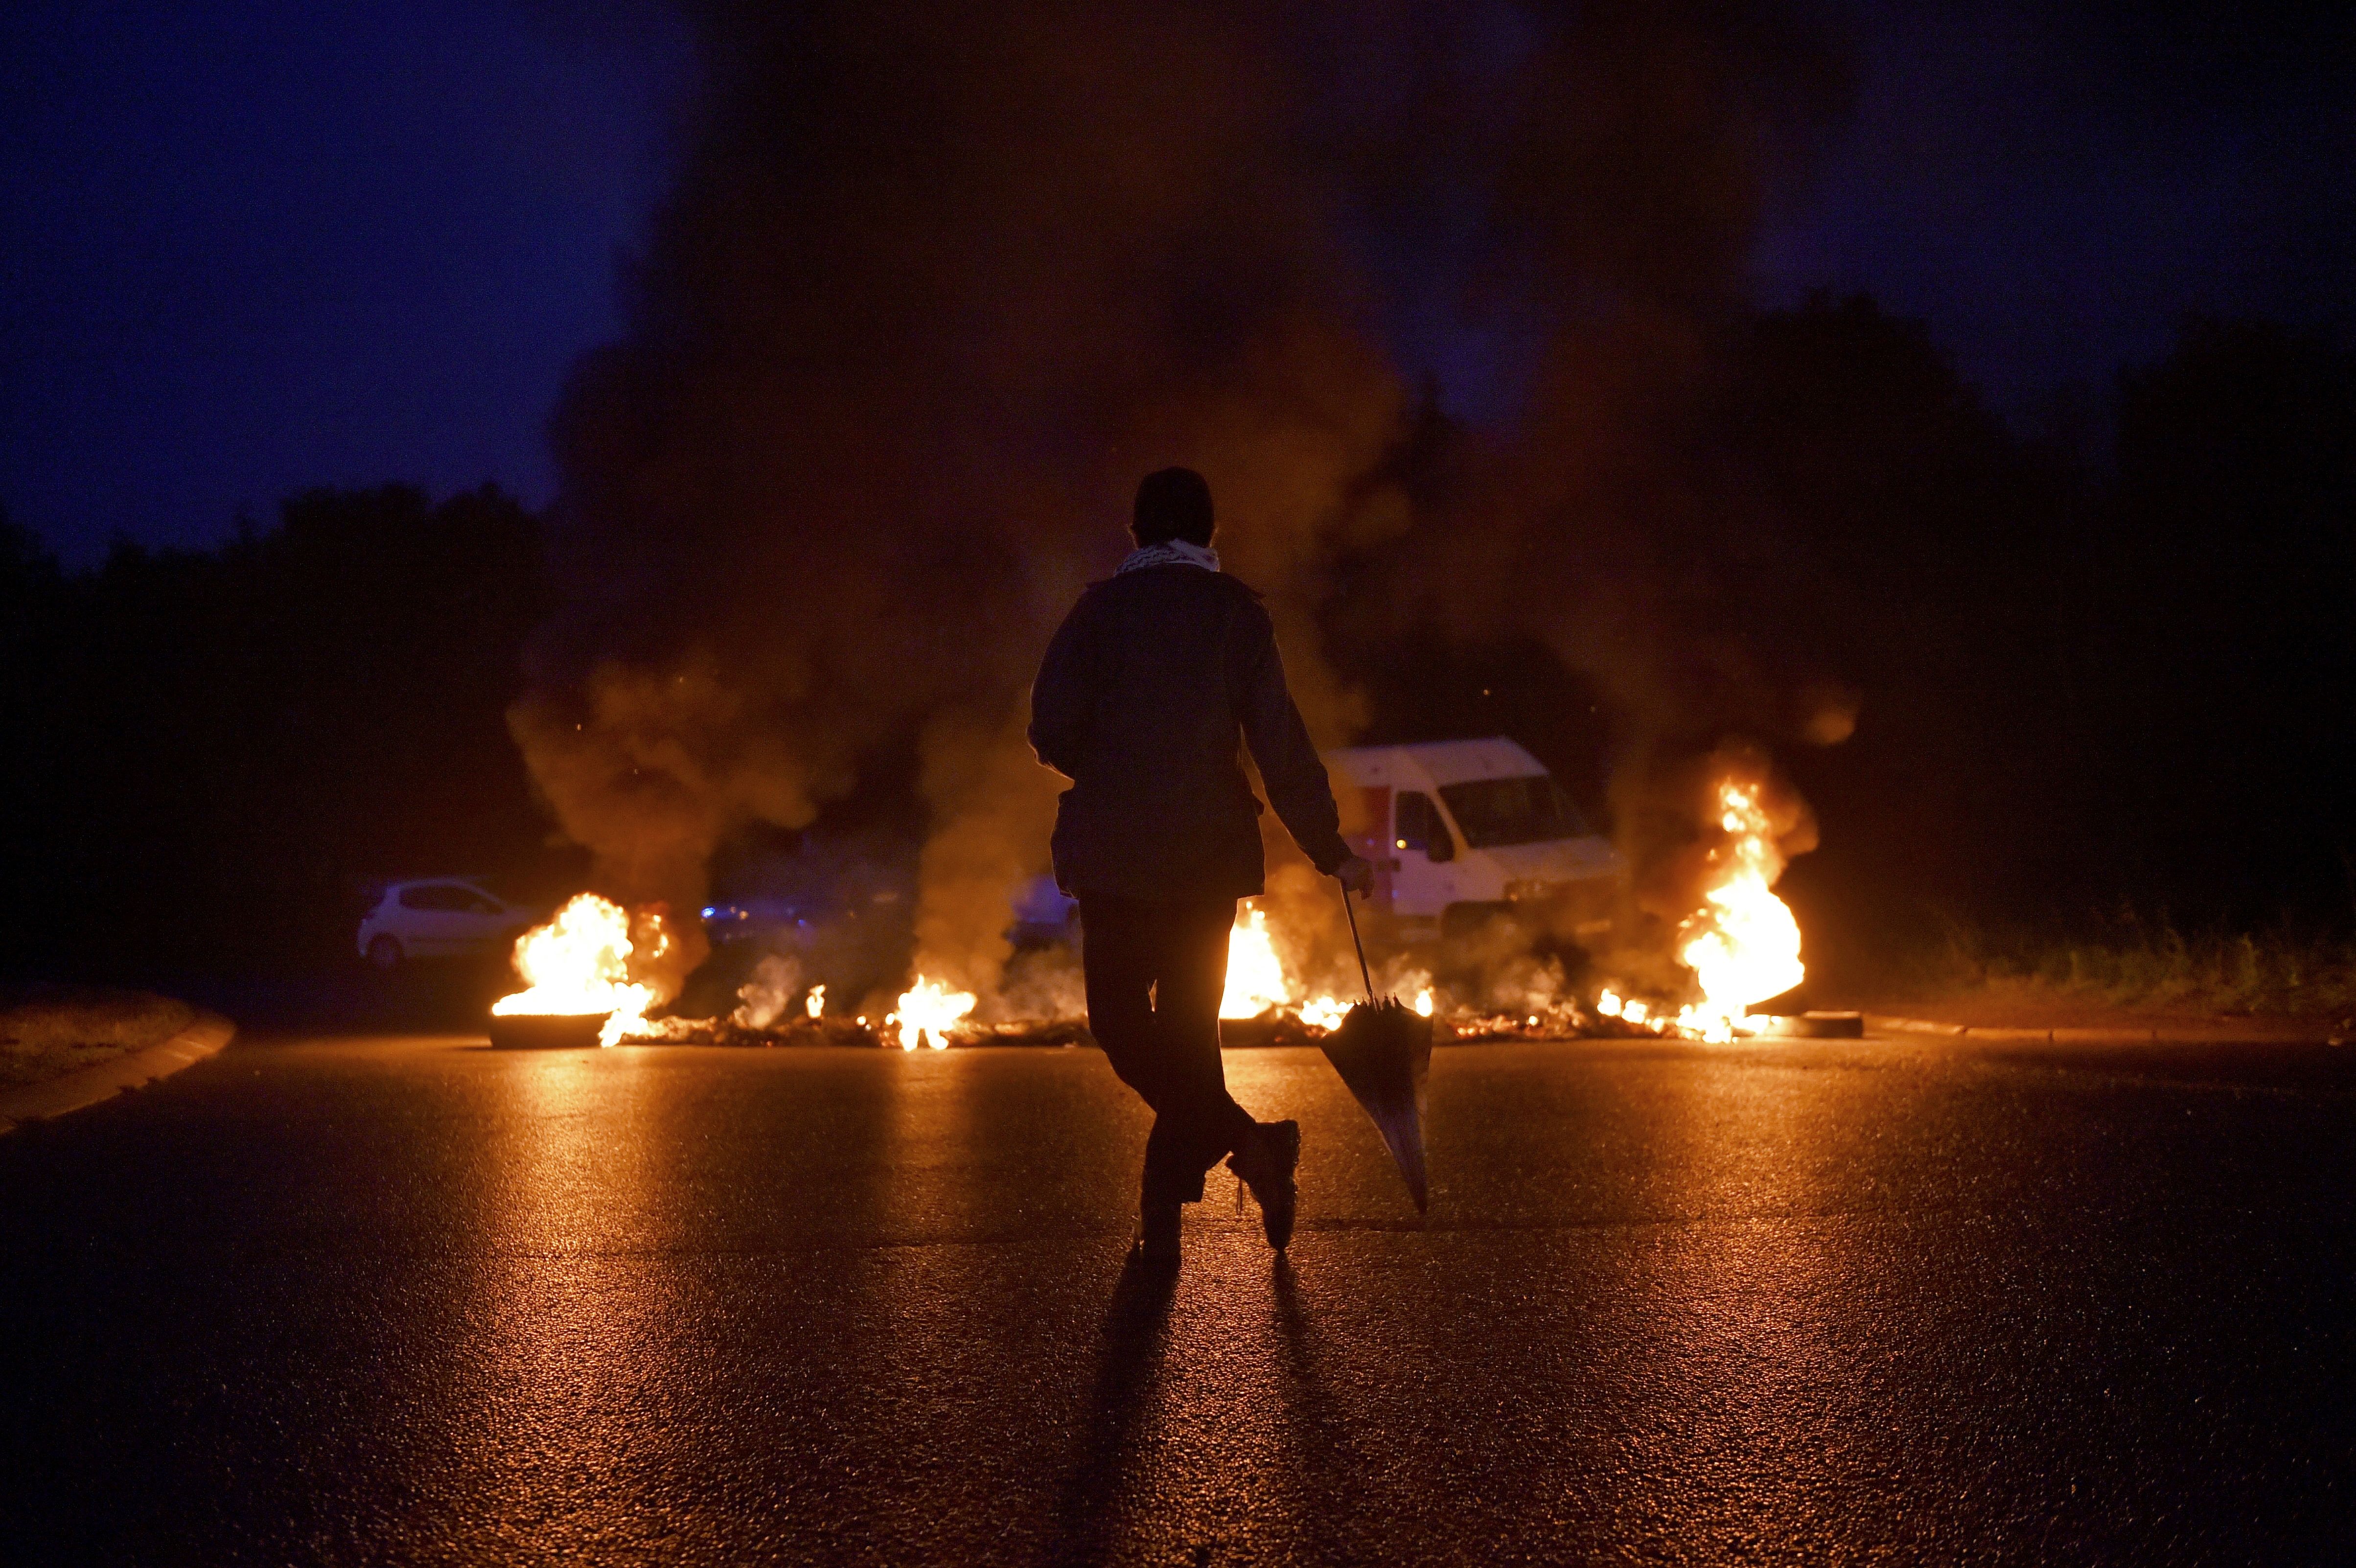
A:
[(1155, 974)]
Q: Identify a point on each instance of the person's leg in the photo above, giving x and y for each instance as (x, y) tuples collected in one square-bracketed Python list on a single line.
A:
[(1208, 1125), (1121, 944), (1198, 1122), (1119, 950)]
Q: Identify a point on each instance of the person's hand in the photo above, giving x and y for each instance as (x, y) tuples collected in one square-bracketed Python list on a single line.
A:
[(1356, 873)]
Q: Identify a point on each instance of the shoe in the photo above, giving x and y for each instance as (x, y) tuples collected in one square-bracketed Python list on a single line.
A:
[(1266, 1166), (1158, 1242)]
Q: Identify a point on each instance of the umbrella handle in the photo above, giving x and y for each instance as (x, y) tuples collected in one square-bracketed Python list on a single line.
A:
[(1355, 942)]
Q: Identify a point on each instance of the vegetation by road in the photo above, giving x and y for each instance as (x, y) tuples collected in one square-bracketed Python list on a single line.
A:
[(2128, 969), (46, 1032)]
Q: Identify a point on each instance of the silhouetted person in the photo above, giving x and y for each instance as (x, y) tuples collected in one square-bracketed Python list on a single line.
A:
[(1156, 675)]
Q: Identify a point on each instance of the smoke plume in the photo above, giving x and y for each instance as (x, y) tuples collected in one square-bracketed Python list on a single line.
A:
[(938, 283)]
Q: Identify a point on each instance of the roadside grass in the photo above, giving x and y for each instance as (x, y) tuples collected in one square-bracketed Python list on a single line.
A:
[(47, 1031), (2136, 961)]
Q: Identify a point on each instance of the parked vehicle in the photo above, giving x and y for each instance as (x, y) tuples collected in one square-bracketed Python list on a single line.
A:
[(1462, 830), (439, 916), (1459, 831)]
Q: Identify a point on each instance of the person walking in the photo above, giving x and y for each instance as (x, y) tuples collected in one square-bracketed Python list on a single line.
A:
[(1145, 691)]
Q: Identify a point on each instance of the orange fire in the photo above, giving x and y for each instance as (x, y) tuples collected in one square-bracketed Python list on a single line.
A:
[(1743, 944), (929, 1010), (580, 961), (1259, 980), (1256, 981)]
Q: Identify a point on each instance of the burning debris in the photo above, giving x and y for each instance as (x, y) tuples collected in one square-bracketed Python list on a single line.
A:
[(1261, 984), (1710, 879), (1712, 941), (592, 959), (928, 1014), (1743, 944), (1255, 974)]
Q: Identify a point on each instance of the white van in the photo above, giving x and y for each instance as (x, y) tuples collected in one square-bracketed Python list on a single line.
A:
[(1461, 830)]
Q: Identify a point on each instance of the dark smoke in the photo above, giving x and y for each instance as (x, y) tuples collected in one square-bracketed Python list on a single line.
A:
[(938, 281)]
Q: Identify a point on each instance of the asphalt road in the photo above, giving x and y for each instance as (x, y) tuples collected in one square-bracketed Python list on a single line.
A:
[(409, 1300)]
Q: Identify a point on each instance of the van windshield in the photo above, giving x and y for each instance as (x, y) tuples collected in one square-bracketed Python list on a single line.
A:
[(1497, 811)]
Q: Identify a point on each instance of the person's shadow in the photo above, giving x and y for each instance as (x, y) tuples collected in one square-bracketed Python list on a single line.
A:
[(1136, 1331), (1128, 1367)]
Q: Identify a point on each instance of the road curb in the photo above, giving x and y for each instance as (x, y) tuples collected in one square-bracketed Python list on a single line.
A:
[(104, 1080), (2149, 1035)]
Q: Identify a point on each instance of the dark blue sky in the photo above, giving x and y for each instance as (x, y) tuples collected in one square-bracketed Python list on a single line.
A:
[(2051, 187), (254, 245)]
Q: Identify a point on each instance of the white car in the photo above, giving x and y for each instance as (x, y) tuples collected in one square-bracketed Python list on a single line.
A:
[(439, 916)]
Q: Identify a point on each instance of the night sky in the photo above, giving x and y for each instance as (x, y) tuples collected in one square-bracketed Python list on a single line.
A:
[(253, 246)]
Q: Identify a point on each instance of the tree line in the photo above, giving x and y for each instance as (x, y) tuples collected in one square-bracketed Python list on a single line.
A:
[(2113, 666), (212, 750)]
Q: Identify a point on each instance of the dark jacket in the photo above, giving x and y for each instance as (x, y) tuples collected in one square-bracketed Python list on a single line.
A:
[(1139, 702)]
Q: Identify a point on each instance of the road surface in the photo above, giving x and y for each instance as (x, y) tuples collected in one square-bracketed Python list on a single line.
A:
[(405, 1299)]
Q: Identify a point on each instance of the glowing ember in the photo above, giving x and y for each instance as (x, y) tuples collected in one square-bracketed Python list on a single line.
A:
[(815, 1004), (929, 1010), (579, 962), (1743, 944), (1255, 974)]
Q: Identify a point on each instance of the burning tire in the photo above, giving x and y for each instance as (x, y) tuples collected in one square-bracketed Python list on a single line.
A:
[(545, 1031)]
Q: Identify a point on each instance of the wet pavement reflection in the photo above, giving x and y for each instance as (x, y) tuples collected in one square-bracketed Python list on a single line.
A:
[(404, 1299)]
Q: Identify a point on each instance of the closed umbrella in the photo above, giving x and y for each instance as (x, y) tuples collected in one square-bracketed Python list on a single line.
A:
[(1383, 1051)]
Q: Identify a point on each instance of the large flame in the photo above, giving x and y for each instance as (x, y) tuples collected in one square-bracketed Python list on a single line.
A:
[(1256, 979), (1743, 944), (579, 962), (929, 1010), (1259, 980)]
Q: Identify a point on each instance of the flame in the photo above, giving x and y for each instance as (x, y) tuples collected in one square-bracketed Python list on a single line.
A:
[(579, 962), (1259, 981), (1256, 979), (1743, 944), (1325, 1013), (814, 1002), (929, 1010)]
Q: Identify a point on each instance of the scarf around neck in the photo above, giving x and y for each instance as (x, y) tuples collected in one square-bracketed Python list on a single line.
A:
[(1170, 553)]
